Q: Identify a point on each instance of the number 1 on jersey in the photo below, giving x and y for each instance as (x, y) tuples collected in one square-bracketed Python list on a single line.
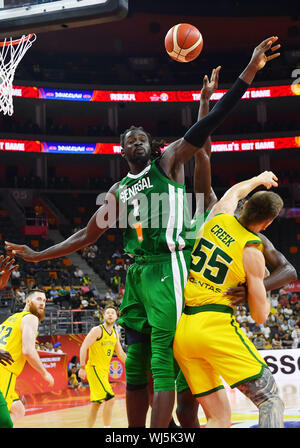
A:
[(138, 226)]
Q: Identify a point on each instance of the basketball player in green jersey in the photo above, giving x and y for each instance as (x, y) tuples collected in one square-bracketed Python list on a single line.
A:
[(161, 251)]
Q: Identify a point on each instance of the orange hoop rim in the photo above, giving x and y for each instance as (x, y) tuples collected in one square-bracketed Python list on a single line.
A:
[(6, 43)]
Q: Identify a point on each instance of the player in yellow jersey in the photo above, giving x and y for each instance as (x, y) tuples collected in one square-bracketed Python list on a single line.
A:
[(100, 344), (209, 343), (17, 336)]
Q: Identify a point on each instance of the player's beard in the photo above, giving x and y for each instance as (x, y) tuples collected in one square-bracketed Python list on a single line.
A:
[(34, 310)]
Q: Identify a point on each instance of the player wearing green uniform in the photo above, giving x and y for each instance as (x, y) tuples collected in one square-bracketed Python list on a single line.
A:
[(137, 149)]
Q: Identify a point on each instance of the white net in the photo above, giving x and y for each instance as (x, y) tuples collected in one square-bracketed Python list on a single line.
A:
[(11, 53)]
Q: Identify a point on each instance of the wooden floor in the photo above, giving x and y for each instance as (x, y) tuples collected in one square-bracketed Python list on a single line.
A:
[(244, 413)]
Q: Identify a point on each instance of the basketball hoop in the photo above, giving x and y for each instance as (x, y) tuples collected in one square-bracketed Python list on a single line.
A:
[(11, 53)]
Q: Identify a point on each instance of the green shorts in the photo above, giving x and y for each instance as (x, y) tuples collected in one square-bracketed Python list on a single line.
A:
[(154, 292), (181, 383)]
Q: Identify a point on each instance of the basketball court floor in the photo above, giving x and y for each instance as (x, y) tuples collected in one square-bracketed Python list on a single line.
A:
[(69, 409)]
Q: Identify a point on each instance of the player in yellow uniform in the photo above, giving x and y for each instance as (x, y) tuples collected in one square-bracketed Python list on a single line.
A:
[(100, 344), (209, 343), (17, 336)]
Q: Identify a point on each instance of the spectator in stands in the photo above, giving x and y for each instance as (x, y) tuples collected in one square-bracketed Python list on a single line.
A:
[(73, 380), (53, 294), (83, 303), (116, 254), (48, 347), (23, 285), (109, 295), (86, 279), (242, 317), (42, 346), (256, 330), (48, 266), (108, 271), (85, 290), (57, 347), (266, 331), (98, 314), (246, 330), (287, 311), (64, 298), (259, 341), (93, 290), (294, 299), (279, 319), (274, 300), (116, 282), (284, 325), (292, 322), (20, 297), (15, 278), (78, 273), (92, 304), (65, 277), (268, 344), (295, 335), (280, 332), (75, 301), (287, 341), (283, 298)]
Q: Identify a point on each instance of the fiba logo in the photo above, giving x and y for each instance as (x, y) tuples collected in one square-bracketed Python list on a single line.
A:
[(164, 96), (115, 369)]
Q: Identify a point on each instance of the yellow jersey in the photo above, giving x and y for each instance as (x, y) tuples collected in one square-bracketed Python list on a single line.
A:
[(11, 341), (217, 260), (102, 350)]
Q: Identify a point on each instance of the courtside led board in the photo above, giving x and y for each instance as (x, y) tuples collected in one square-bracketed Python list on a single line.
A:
[(32, 16)]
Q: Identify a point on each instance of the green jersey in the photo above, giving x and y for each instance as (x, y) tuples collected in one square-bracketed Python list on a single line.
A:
[(154, 213)]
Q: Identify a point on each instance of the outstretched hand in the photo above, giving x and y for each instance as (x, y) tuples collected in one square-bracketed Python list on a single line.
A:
[(22, 251), (6, 268), (268, 179), (210, 85), (259, 57)]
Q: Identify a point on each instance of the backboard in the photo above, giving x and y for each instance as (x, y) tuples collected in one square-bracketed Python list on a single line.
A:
[(32, 16)]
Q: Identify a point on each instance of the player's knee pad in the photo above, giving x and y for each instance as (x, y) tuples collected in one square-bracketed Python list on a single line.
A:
[(137, 364)]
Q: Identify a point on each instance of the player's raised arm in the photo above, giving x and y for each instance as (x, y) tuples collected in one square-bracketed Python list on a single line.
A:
[(196, 136), (94, 334), (254, 265), (228, 203), (202, 170), (105, 217)]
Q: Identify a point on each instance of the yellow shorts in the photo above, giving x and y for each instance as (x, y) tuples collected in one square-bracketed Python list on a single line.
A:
[(100, 388), (7, 386), (209, 344)]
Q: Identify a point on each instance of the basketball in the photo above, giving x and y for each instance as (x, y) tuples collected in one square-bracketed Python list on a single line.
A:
[(183, 42)]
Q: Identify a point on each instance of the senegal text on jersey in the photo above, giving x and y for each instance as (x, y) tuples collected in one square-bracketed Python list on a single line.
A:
[(135, 189)]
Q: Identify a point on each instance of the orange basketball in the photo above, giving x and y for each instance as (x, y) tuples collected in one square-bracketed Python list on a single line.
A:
[(183, 42)]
